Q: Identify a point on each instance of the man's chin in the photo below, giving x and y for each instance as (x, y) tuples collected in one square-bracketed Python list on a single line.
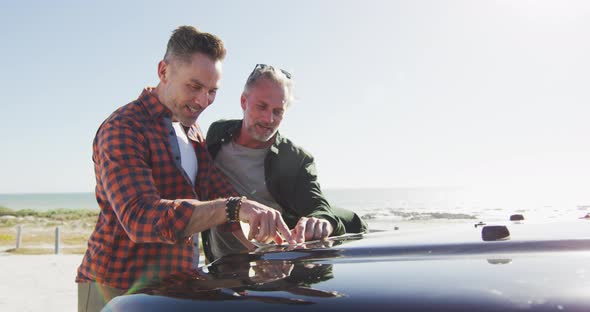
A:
[(264, 138)]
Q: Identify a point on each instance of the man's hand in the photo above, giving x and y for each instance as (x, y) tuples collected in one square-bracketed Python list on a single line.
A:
[(264, 222), (312, 229)]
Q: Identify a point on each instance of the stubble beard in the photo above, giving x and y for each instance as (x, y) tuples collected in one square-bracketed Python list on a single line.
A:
[(261, 137)]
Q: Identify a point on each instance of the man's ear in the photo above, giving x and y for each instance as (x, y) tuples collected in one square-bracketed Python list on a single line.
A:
[(163, 68), (243, 101)]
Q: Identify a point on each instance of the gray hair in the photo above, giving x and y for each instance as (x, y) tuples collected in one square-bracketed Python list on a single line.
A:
[(280, 76)]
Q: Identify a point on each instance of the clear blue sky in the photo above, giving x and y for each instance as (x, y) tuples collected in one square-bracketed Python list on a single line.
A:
[(491, 94)]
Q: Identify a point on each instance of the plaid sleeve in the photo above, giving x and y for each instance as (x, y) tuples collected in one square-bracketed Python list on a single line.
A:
[(123, 168)]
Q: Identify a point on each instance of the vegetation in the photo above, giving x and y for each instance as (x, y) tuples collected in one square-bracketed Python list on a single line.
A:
[(45, 251), (55, 214), (38, 230)]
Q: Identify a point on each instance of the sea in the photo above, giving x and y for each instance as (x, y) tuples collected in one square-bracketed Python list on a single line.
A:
[(385, 207)]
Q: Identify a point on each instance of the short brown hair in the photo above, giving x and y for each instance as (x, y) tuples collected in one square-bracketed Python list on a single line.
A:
[(187, 40)]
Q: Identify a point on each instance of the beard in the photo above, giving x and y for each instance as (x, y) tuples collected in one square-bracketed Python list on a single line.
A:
[(265, 136)]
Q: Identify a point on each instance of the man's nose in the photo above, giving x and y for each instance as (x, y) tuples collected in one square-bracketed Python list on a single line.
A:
[(268, 117), (202, 99)]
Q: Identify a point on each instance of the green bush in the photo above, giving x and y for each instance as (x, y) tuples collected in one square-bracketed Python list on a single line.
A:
[(26, 213), (6, 211), (55, 214)]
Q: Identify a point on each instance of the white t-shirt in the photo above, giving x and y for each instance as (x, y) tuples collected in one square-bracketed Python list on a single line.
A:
[(188, 161)]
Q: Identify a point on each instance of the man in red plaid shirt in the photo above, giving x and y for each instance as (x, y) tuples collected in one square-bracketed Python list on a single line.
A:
[(156, 184)]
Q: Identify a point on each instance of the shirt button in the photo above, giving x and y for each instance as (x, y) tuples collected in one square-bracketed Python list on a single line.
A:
[(171, 132), (177, 158)]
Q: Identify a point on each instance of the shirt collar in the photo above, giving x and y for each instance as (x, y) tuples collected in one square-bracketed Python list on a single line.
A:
[(195, 133), (158, 110), (153, 105)]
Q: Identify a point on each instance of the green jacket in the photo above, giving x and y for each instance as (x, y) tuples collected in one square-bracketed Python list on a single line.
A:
[(290, 175)]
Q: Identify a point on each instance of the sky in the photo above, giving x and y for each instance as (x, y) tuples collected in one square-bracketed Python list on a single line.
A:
[(486, 94)]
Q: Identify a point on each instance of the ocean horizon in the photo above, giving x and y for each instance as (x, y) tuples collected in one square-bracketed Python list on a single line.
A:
[(381, 205), (49, 201)]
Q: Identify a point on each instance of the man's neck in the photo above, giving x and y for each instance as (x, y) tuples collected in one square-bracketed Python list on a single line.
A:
[(157, 92)]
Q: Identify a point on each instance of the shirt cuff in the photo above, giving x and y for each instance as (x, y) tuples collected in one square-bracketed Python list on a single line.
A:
[(178, 214)]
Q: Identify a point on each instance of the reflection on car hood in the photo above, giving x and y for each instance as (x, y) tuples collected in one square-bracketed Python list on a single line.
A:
[(538, 267)]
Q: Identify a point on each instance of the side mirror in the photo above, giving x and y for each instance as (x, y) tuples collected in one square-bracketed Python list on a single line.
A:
[(495, 233), (516, 217)]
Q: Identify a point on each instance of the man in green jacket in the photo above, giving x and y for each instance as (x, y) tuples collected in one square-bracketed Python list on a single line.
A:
[(267, 167)]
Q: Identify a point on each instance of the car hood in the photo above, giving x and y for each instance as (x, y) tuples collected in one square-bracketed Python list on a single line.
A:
[(538, 267)]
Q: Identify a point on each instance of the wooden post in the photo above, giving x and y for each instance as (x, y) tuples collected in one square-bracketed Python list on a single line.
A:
[(19, 231), (57, 240)]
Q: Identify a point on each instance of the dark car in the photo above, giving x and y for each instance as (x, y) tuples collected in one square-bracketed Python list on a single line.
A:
[(517, 266)]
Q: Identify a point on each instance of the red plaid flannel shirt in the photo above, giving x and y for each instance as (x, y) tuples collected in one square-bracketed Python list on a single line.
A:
[(139, 188)]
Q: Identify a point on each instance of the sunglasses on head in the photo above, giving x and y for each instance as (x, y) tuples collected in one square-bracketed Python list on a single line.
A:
[(264, 66)]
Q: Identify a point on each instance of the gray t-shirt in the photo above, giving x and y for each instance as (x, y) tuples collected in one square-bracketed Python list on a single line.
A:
[(244, 168)]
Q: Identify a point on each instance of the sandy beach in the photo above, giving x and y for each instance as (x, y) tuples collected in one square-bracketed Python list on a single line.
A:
[(33, 277), (38, 282)]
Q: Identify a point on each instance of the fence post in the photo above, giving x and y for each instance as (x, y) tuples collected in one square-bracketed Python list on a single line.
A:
[(57, 240), (19, 231)]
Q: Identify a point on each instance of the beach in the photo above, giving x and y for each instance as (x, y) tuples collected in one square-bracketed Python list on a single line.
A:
[(38, 282), (34, 278)]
